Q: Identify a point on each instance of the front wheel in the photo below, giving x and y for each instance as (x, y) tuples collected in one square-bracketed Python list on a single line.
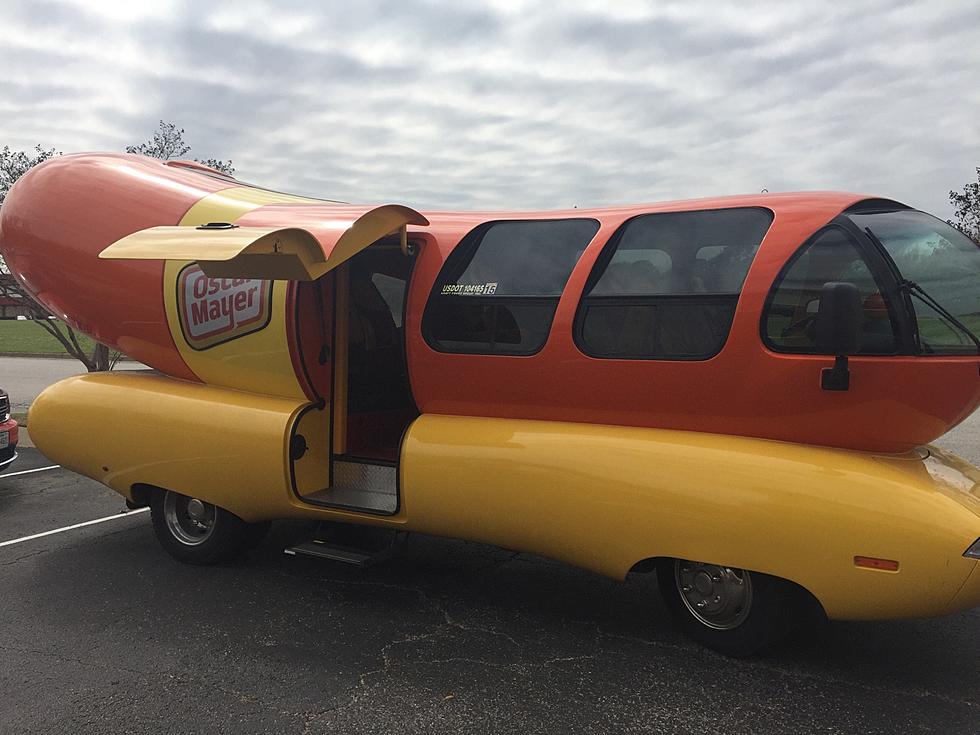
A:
[(733, 611), (196, 532)]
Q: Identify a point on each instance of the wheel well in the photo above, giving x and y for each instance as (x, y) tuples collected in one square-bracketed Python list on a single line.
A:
[(141, 494), (645, 566), (806, 598)]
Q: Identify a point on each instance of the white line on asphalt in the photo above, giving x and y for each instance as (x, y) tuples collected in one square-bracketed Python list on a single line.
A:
[(27, 472), (72, 527)]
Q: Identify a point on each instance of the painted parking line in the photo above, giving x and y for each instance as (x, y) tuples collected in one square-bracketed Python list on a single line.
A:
[(117, 516), (27, 472)]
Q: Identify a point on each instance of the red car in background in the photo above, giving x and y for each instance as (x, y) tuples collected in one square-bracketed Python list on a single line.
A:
[(8, 433)]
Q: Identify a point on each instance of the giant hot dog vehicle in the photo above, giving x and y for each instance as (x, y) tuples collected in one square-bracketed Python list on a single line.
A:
[(738, 392)]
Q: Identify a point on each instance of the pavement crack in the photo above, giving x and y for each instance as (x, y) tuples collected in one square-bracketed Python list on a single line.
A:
[(24, 556)]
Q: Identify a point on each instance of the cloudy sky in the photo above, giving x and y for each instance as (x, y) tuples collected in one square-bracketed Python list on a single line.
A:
[(512, 103)]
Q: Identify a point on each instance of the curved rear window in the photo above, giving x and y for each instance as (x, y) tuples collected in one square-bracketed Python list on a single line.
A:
[(789, 320)]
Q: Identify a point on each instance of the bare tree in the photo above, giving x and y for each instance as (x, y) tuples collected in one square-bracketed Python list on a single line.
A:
[(14, 164), (167, 143), (99, 359), (966, 207)]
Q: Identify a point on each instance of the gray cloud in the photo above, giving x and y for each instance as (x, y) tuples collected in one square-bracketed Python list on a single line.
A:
[(515, 104)]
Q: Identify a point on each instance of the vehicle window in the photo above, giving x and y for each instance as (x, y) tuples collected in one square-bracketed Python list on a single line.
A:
[(635, 271), (790, 317), (392, 290), (668, 287), (945, 264), (500, 287)]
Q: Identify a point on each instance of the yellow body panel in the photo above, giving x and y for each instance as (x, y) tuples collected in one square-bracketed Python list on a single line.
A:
[(236, 201), (600, 497), (606, 497), (259, 361), (227, 447), (274, 252), (311, 472), (288, 253)]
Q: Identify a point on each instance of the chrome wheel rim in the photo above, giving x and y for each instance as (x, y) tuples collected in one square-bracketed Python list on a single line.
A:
[(717, 597), (189, 520)]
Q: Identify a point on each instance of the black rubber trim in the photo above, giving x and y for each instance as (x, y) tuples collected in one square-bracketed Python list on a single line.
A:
[(879, 271), (317, 405)]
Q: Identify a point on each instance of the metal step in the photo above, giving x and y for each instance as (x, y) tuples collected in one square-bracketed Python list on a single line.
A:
[(324, 550), (358, 545)]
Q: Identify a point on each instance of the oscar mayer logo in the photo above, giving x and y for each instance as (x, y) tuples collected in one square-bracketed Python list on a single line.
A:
[(215, 310)]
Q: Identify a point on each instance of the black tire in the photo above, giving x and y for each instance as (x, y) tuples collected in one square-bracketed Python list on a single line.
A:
[(773, 608), (255, 533), (220, 536)]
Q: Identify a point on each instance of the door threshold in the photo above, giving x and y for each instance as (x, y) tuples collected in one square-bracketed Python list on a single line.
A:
[(367, 487)]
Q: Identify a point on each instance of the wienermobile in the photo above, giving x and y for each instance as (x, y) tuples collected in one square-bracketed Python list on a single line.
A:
[(738, 393)]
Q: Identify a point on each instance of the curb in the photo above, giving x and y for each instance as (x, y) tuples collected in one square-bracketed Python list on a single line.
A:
[(52, 355), (24, 439)]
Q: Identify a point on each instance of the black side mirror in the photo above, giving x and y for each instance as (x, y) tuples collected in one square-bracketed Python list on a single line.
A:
[(840, 322)]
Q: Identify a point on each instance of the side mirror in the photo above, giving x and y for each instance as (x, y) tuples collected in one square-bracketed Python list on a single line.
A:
[(840, 322)]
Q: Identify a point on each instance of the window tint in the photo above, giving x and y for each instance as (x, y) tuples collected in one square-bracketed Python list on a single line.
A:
[(500, 287), (637, 271), (684, 253), (945, 264), (790, 319), (392, 290), (669, 285), (666, 329)]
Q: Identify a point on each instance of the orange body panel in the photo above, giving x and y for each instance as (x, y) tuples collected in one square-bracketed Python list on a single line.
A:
[(62, 214), (894, 403)]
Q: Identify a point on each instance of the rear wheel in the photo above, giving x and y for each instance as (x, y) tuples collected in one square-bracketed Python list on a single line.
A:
[(196, 532), (733, 611)]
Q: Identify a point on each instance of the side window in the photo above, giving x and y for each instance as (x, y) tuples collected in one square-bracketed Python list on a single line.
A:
[(667, 286), (790, 316), (499, 289)]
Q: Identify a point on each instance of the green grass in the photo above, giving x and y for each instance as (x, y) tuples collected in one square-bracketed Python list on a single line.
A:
[(940, 334), (28, 338), (20, 417)]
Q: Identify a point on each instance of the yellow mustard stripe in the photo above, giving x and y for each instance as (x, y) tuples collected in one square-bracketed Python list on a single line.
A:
[(257, 362), (230, 204)]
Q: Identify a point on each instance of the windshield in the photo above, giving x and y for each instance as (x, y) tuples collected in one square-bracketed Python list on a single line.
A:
[(945, 264)]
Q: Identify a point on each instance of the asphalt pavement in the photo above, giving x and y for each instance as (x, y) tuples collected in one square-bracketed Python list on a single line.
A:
[(101, 632), (25, 377)]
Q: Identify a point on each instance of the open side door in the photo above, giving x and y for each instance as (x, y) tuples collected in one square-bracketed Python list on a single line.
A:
[(224, 250)]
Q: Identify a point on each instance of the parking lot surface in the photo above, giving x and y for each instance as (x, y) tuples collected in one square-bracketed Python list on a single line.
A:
[(101, 632), (25, 377)]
